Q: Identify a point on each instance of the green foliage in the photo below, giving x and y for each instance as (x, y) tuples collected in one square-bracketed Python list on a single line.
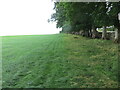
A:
[(115, 9), (67, 28), (85, 15)]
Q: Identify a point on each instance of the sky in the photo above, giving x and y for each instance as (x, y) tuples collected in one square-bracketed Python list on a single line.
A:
[(26, 17)]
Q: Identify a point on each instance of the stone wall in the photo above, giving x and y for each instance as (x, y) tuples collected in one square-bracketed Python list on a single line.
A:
[(110, 35)]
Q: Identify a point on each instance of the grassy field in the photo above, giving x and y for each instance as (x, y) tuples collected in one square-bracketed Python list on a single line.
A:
[(58, 61)]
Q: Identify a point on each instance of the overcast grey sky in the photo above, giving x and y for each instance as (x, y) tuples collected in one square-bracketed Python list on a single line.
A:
[(26, 17)]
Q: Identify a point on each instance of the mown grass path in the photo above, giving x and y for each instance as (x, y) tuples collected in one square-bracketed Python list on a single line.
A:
[(58, 61)]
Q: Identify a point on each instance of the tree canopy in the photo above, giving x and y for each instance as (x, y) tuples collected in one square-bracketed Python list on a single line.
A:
[(77, 16)]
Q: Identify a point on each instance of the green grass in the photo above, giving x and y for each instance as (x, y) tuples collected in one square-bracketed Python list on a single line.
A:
[(58, 61), (0, 62)]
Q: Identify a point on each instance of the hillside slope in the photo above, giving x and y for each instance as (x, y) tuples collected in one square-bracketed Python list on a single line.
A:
[(58, 61)]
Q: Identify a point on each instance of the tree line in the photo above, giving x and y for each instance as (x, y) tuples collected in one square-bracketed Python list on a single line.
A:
[(85, 18)]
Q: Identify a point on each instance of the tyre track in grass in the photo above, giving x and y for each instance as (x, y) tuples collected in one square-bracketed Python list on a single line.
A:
[(45, 64), (59, 67), (59, 76), (54, 65), (49, 45), (44, 67), (48, 72)]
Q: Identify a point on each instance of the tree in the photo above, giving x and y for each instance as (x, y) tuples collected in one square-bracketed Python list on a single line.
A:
[(87, 16), (114, 10)]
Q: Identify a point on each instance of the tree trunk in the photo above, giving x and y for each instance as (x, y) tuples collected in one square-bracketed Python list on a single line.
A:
[(104, 33), (90, 33), (86, 33), (94, 32), (117, 35)]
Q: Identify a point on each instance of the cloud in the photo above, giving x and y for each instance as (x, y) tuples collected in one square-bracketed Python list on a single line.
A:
[(21, 17)]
